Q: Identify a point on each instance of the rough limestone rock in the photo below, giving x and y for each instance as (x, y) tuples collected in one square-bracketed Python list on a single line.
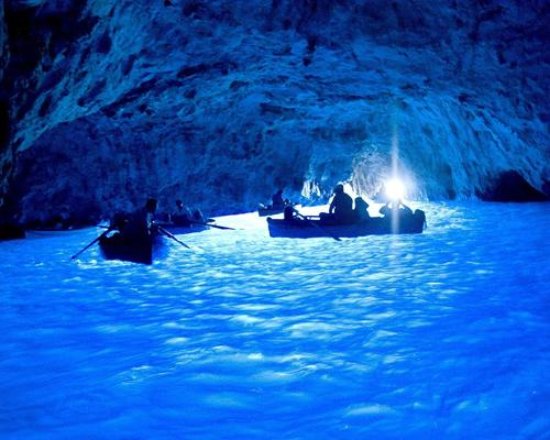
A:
[(220, 102)]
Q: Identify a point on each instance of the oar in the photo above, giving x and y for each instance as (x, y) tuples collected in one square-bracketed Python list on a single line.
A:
[(211, 225), (95, 240), (172, 236), (312, 223)]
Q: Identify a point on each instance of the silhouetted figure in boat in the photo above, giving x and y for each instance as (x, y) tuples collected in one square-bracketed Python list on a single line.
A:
[(182, 215), (341, 208), (198, 216), (150, 210), (133, 237), (396, 208), (361, 210), (141, 222), (119, 221), (277, 201), (289, 213), (135, 227)]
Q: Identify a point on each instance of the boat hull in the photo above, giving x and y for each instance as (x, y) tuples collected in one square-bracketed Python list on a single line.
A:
[(121, 248), (305, 228)]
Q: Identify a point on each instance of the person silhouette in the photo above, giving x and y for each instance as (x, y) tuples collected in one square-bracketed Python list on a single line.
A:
[(394, 208), (277, 200), (182, 215), (341, 206), (340, 209), (361, 209)]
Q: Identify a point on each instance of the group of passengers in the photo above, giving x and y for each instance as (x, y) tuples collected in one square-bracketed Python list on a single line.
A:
[(132, 227), (183, 216), (142, 222), (343, 211)]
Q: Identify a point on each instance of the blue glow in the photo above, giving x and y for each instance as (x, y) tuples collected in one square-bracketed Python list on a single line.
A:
[(438, 335)]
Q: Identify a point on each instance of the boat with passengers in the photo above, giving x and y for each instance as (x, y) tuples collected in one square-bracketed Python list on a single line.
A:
[(264, 211), (132, 248), (184, 226)]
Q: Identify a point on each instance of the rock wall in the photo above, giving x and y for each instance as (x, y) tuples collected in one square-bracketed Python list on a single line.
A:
[(219, 102)]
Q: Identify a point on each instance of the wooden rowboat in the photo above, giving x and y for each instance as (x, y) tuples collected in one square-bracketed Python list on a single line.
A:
[(309, 228), (136, 249)]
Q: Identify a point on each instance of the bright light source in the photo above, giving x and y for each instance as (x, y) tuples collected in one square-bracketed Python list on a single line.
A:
[(395, 189)]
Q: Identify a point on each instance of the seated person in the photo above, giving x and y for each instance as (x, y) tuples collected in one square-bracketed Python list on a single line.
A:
[(136, 225), (182, 215), (150, 210), (198, 217), (118, 225), (395, 208), (341, 208), (289, 213), (361, 209), (277, 201)]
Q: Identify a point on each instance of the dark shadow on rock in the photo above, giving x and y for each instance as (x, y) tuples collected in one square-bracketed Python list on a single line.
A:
[(11, 232), (510, 186)]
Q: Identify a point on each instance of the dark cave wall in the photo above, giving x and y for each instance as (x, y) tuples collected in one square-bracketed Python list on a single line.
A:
[(33, 35), (221, 102)]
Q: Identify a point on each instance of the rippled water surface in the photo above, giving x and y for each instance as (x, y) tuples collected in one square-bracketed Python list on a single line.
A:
[(438, 335)]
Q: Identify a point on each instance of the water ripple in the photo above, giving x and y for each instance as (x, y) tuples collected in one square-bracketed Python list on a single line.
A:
[(252, 337)]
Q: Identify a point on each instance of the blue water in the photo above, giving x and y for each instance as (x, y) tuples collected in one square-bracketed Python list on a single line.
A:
[(438, 335)]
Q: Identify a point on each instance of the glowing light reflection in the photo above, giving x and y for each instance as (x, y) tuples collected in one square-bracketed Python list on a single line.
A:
[(395, 189)]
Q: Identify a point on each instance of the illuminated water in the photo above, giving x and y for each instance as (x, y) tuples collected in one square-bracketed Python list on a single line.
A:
[(439, 335)]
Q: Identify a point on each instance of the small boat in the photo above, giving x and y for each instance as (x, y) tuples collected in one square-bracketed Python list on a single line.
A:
[(264, 211), (136, 249), (183, 227), (304, 227)]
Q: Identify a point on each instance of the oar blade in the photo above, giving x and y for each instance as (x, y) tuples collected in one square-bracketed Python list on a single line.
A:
[(172, 236), (212, 225), (89, 245)]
